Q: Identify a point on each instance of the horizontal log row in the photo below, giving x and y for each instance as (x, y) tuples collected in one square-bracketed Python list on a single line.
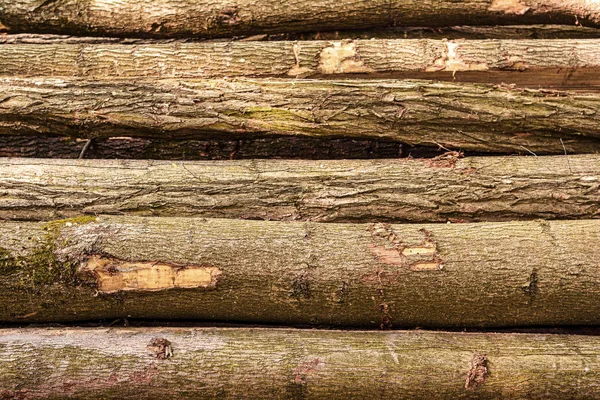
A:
[(301, 273), (300, 58), (409, 190), (204, 18), (158, 363), (458, 116)]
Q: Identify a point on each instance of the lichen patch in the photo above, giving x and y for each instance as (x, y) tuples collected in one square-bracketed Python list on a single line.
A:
[(113, 275), (342, 58), (509, 7)]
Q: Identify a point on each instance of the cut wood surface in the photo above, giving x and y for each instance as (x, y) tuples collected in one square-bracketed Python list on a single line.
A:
[(204, 18), (301, 273), (159, 363), (300, 58), (416, 190), (287, 147), (467, 116)]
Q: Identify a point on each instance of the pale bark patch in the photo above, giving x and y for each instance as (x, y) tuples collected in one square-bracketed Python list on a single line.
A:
[(117, 275), (342, 58), (450, 61), (509, 7)]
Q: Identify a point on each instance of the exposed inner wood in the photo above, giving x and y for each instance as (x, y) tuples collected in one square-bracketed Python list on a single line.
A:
[(116, 275)]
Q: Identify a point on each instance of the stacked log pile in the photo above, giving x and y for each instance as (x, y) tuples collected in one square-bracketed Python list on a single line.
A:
[(304, 200)]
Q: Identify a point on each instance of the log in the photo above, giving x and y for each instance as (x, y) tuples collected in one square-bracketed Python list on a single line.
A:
[(537, 273), (287, 147), (158, 363), (203, 18), (466, 116), (301, 58), (406, 190)]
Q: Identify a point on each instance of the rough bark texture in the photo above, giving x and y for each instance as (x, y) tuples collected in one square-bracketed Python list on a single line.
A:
[(299, 59), (472, 117), (275, 147), (294, 364), (209, 18), (422, 190), (370, 275)]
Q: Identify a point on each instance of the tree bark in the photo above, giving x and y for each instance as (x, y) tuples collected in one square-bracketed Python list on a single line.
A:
[(301, 58), (287, 147), (472, 117), (407, 190), (194, 18), (369, 275), (158, 363)]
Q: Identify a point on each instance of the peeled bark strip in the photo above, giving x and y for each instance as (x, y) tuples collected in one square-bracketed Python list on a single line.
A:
[(407, 190), (203, 18), (301, 58), (369, 275), (472, 117), (158, 363)]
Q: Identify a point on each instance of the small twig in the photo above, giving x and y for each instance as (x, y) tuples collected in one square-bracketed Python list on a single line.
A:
[(566, 155), (442, 147), (529, 151), (85, 149)]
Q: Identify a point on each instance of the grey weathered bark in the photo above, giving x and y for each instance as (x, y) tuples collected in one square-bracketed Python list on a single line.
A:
[(370, 275), (300, 58), (204, 18), (422, 190), (158, 363), (274, 147), (472, 117)]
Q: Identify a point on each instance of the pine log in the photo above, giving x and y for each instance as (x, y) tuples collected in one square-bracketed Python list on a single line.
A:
[(301, 273), (178, 363), (300, 58), (203, 18), (406, 190), (287, 147), (465, 116)]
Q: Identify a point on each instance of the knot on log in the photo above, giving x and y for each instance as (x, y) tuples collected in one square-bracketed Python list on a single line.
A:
[(160, 348)]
